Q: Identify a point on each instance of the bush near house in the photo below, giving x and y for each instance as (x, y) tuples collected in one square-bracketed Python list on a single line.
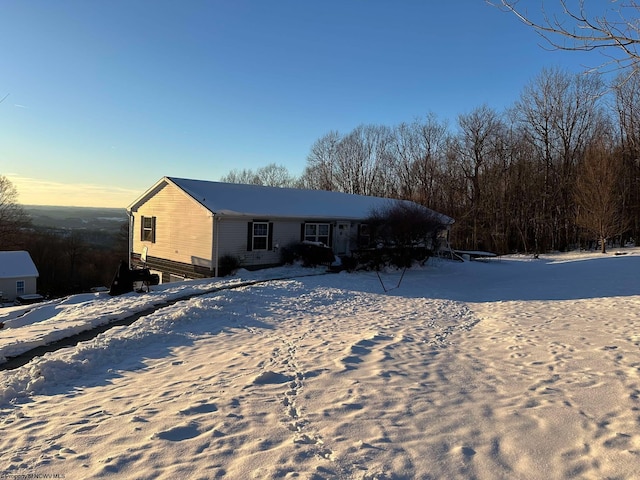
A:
[(395, 256), (401, 235), (311, 254), (228, 265)]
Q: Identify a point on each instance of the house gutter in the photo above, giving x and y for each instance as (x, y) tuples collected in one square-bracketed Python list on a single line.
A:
[(130, 242)]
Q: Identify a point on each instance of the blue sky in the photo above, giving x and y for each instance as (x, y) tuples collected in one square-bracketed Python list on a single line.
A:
[(106, 97)]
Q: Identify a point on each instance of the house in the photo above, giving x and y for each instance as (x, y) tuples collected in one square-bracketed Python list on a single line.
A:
[(18, 275), (181, 228)]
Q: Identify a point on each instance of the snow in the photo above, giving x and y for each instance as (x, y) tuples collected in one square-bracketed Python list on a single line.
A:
[(16, 264), (269, 202), (507, 368)]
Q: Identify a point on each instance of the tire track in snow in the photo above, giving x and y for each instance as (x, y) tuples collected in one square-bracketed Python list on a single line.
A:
[(72, 340)]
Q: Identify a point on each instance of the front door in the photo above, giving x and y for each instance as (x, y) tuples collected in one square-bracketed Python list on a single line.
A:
[(341, 238)]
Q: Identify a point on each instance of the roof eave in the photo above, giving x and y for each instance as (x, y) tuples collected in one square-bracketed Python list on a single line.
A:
[(148, 194)]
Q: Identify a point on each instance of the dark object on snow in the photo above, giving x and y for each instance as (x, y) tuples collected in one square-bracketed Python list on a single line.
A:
[(125, 278), (311, 254), (28, 299)]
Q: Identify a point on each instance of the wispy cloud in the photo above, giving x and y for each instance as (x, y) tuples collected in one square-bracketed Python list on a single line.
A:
[(17, 105)]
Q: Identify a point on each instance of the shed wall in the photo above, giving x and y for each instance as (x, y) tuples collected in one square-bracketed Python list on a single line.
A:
[(8, 287)]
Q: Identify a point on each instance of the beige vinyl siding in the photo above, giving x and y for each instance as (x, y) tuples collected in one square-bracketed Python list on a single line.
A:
[(30, 285), (184, 228), (8, 286)]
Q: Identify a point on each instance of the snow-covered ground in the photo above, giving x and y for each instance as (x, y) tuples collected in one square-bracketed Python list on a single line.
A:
[(509, 368)]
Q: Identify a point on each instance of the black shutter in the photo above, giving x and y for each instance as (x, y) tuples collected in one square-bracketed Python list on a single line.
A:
[(270, 237), (142, 228), (330, 235), (250, 236), (153, 229), (302, 232)]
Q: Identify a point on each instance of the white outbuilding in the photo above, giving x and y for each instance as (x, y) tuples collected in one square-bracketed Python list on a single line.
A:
[(18, 275)]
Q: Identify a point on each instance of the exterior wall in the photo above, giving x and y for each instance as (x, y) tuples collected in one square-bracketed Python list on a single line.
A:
[(233, 240), (233, 232), (232, 235), (183, 229), (286, 233), (8, 287)]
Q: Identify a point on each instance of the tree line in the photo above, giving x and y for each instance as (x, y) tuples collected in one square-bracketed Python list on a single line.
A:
[(74, 262), (70, 261), (559, 169)]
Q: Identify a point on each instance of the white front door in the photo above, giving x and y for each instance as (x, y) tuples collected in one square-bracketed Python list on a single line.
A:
[(341, 238)]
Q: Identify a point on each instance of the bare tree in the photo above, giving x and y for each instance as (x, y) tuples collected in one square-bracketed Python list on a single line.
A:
[(272, 175), (244, 176), (74, 249), (524, 193), (363, 160), (612, 29), (12, 216), (417, 153), (627, 109), (475, 150), (597, 194), (559, 113), (404, 232), (319, 174), (275, 176)]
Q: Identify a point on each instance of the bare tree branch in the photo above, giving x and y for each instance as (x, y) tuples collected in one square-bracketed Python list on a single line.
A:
[(12, 216), (617, 29)]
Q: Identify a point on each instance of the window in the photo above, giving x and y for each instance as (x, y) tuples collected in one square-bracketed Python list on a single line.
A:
[(317, 232), (148, 233), (20, 287), (260, 235)]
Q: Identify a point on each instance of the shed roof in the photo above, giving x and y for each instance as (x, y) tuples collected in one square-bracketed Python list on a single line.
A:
[(17, 264), (261, 201)]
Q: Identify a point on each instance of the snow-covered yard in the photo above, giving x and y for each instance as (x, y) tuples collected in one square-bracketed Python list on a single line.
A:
[(509, 368)]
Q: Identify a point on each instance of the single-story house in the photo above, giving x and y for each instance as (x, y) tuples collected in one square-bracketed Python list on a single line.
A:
[(18, 275), (181, 228)]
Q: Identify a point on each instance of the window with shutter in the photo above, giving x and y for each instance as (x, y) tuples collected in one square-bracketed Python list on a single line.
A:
[(148, 233), (260, 237)]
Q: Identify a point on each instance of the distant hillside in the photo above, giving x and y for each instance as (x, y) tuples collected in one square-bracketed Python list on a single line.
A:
[(77, 218)]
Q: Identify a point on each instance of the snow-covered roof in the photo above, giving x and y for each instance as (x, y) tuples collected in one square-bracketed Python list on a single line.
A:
[(261, 201), (17, 264)]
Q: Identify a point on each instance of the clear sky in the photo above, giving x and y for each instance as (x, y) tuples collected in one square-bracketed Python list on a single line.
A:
[(106, 97)]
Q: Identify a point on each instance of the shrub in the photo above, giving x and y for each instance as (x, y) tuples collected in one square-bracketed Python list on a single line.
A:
[(228, 265), (289, 254), (310, 254), (349, 263), (402, 234)]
